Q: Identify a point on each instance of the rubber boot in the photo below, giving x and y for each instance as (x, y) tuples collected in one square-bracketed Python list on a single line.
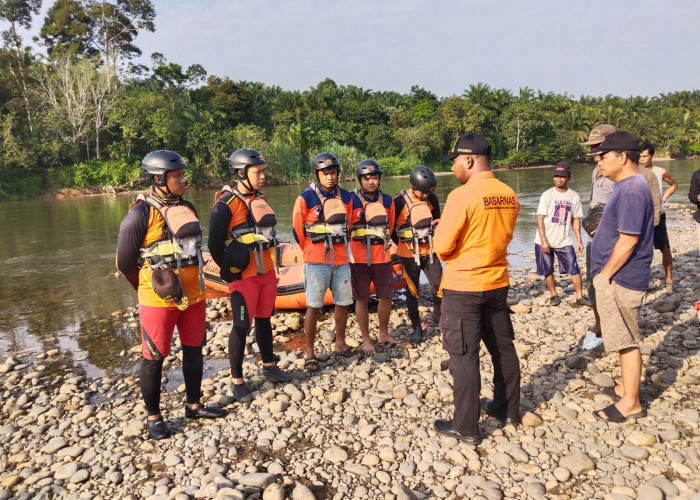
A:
[(417, 335)]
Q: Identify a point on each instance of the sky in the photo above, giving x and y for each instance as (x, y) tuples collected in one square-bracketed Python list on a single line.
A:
[(597, 47)]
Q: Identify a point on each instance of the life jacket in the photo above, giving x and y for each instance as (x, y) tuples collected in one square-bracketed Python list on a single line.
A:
[(373, 229), (332, 224), (258, 231), (181, 244), (418, 228)]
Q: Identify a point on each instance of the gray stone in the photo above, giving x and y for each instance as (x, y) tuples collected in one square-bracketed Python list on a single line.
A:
[(358, 469), (648, 492), (634, 452), (335, 455), (603, 380), (66, 471), (576, 362), (500, 459), (327, 335), (577, 462), (274, 491), (79, 477), (534, 489), (258, 479), (302, 492), (402, 492)]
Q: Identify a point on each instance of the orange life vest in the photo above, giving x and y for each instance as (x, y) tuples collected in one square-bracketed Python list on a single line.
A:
[(332, 224), (418, 228), (373, 229), (258, 231)]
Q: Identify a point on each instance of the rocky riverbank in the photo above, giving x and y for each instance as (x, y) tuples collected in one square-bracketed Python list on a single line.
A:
[(362, 428)]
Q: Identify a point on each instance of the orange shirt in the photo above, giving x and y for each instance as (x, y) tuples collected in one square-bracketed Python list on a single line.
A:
[(189, 277), (239, 215), (474, 232)]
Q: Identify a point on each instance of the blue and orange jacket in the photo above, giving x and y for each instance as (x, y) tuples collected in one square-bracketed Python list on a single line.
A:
[(379, 254), (306, 213)]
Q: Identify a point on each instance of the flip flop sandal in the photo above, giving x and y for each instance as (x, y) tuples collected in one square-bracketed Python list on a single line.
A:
[(612, 414), (347, 353), (311, 364)]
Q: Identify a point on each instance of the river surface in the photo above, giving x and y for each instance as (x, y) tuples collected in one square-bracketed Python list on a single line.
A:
[(58, 286)]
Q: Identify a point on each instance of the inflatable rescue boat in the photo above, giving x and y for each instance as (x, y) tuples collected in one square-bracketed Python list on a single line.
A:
[(290, 276)]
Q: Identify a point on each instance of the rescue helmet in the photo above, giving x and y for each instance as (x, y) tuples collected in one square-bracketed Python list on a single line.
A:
[(159, 162), (241, 159), (325, 160), (366, 167), (423, 179)]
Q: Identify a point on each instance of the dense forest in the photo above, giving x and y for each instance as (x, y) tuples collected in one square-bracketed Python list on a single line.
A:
[(81, 113)]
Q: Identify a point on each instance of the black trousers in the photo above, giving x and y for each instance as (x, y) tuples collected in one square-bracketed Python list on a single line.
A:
[(467, 319), (434, 274)]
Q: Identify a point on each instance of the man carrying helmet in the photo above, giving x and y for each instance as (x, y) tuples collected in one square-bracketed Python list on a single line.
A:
[(242, 242), (417, 212), (158, 251), (320, 220), (370, 249)]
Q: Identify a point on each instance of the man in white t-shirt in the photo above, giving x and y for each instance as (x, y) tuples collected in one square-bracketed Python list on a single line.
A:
[(559, 210)]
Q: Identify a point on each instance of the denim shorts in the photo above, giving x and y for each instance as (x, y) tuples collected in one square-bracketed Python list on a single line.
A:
[(320, 277)]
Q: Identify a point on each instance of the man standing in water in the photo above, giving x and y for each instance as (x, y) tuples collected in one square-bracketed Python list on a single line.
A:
[(320, 220), (370, 249), (472, 238), (158, 251), (661, 241), (621, 254)]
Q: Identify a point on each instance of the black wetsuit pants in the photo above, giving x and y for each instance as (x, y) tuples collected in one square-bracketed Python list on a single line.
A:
[(151, 371), (434, 274), (239, 331)]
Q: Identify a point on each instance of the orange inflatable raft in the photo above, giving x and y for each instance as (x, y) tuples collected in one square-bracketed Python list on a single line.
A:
[(290, 277)]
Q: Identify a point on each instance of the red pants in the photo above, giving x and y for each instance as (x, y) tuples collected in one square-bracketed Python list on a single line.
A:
[(158, 324)]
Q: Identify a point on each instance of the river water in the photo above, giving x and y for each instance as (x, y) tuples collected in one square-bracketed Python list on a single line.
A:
[(58, 286)]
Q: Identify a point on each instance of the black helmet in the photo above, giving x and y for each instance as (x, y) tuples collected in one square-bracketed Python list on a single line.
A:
[(159, 162), (368, 167), (325, 160), (423, 179), (242, 158)]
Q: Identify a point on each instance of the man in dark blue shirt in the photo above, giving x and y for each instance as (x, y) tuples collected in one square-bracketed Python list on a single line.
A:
[(621, 254)]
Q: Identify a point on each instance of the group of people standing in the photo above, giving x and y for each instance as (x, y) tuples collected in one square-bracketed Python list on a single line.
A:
[(345, 237)]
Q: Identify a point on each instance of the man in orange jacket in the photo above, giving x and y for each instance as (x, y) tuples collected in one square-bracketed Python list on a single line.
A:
[(472, 238)]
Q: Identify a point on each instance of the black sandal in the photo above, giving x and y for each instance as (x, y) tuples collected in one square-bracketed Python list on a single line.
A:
[(311, 364)]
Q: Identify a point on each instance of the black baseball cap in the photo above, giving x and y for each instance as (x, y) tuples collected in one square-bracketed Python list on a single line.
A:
[(469, 144), (618, 141), (562, 169), (236, 259)]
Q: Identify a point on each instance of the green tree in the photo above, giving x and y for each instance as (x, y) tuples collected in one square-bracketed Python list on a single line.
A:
[(18, 13)]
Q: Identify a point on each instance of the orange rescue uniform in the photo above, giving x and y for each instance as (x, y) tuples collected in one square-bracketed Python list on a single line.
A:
[(379, 254), (404, 249), (472, 237)]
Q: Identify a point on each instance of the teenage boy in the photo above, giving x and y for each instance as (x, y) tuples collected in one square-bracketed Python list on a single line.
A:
[(370, 249), (320, 220), (158, 251), (661, 242), (242, 242), (417, 212), (558, 212)]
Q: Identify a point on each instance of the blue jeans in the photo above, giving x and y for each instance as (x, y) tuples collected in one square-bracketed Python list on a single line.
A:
[(320, 277)]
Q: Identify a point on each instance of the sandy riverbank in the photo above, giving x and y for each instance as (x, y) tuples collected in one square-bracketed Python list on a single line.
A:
[(362, 428)]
